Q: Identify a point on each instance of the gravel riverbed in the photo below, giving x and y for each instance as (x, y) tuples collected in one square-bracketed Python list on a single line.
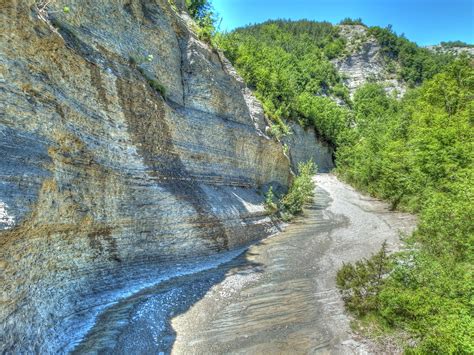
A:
[(276, 297)]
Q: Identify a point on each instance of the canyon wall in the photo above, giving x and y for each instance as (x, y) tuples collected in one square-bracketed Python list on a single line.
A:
[(365, 62), (304, 144), (127, 147)]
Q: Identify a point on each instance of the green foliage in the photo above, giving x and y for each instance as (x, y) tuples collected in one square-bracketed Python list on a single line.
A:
[(301, 190), (328, 118), (431, 297), (342, 92), (446, 226), (461, 44), (270, 204), (417, 64), (350, 21), (360, 284), (157, 86), (203, 14), (288, 62), (418, 154), (279, 129), (198, 9), (136, 61)]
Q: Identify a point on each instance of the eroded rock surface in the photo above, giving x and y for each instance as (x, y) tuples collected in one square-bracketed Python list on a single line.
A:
[(305, 145), (105, 184), (454, 50), (365, 62)]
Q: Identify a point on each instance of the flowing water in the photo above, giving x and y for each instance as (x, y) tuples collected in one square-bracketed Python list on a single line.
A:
[(277, 297)]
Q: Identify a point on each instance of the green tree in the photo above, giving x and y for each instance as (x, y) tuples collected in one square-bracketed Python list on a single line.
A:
[(203, 14), (301, 190), (288, 65), (361, 283)]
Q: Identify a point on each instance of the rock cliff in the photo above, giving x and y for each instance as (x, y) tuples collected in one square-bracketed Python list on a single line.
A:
[(305, 145), (454, 50), (127, 147), (365, 62)]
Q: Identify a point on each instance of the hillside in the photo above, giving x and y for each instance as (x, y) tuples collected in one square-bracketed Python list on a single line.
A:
[(364, 60), (454, 47), (308, 71)]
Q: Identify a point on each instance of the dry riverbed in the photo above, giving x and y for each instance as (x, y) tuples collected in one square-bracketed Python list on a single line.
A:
[(278, 296)]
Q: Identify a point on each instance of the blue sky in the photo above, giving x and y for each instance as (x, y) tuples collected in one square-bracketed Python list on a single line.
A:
[(423, 21)]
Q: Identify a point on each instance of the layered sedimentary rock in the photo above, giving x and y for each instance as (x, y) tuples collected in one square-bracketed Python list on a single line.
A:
[(455, 50), (126, 146), (304, 145), (365, 62)]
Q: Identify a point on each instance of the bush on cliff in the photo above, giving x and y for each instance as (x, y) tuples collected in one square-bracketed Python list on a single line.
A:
[(416, 63), (300, 192), (203, 14), (270, 204)]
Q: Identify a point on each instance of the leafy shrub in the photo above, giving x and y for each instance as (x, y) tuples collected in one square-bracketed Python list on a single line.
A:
[(270, 204), (301, 190), (360, 283), (155, 84), (136, 61), (198, 9), (279, 130), (342, 92), (203, 14)]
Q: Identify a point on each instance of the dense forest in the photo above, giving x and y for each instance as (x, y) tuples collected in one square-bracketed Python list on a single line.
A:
[(416, 152), (288, 66)]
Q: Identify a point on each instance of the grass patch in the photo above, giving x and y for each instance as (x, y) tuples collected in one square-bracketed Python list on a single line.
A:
[(136, 61)]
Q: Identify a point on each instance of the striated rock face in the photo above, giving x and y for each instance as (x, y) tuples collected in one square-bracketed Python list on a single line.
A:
[(454, 50), (304, 145), (365, 62), (105, 186)]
